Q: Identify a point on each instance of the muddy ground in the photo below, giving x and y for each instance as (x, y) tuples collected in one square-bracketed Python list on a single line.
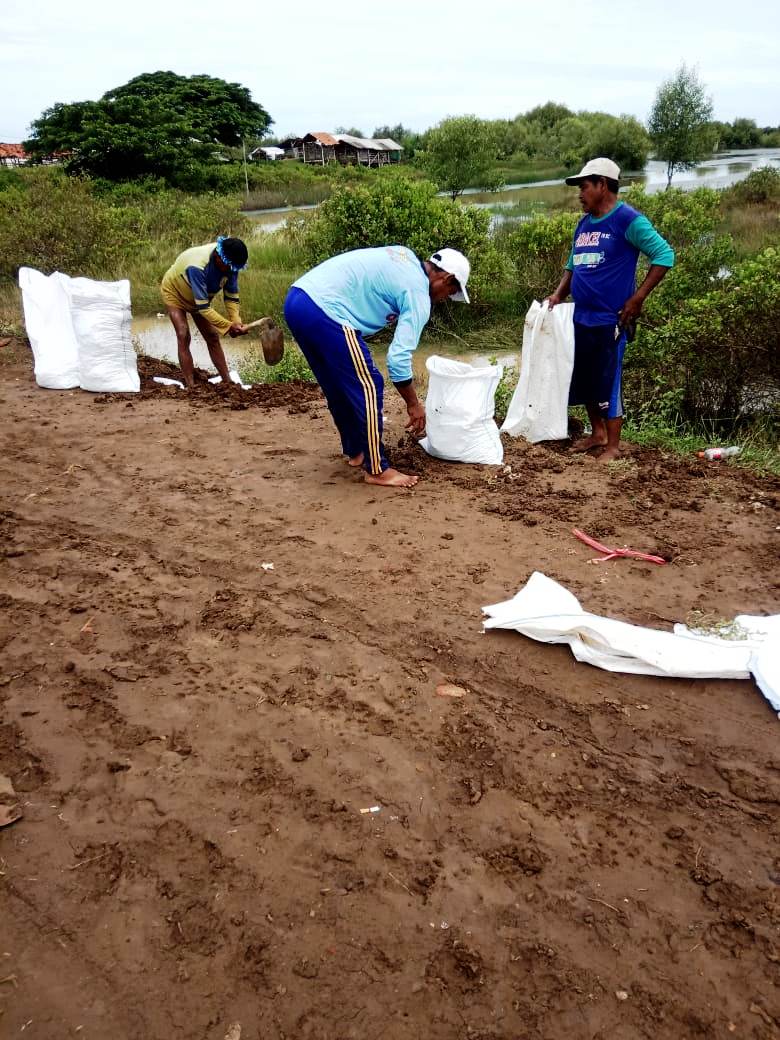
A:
[(559, 852)]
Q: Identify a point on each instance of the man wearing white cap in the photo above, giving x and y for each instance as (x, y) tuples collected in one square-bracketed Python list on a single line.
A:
[(332, 307), (601, 276)]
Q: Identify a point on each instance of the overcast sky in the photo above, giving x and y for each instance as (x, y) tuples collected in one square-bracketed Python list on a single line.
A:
[(315, 66)]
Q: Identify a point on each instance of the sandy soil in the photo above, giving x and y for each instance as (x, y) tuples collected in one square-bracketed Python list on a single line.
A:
[(559, 852)]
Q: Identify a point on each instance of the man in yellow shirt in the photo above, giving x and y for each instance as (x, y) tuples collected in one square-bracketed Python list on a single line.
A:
[(189, 286)]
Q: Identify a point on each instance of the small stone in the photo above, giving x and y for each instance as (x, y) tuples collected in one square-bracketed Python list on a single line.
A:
[(621, 994), (305, 969), (675, 833), (450, 690)]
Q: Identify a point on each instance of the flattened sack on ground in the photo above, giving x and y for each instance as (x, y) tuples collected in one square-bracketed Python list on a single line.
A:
[(101, 317), (49, 327), (546, 611), (538, 410), (459, 409)]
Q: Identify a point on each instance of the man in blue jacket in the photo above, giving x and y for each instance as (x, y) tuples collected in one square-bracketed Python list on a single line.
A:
[(601, 276), (332, 307)]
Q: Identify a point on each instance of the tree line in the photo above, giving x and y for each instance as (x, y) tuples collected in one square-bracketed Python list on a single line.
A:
[(172, 128)]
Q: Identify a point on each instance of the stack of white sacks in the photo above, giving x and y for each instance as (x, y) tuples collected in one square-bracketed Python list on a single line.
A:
[(79, 331)]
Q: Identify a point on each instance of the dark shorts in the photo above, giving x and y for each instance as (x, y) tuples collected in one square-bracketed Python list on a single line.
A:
[(598, 368)]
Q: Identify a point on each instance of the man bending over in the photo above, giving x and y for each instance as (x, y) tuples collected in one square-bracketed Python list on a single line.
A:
[(332, 307), (189, 286)]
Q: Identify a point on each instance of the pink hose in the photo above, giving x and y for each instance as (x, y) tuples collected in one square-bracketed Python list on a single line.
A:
[(611, 554)]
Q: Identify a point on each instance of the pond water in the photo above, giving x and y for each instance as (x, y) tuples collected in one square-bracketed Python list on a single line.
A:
[(155, 337)]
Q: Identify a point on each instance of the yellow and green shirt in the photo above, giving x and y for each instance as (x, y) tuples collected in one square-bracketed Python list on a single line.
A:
[(194, 279)]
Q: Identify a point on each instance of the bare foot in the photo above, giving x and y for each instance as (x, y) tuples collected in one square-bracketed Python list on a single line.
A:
[(588, 443), (355, 460), (392, 478), (609, 454)]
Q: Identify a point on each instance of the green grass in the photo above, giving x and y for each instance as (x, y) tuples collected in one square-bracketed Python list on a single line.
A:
[(516, 171), (753, 228), (11, 317), (303, 194), (758, 442), (291, 368), (710, 624)]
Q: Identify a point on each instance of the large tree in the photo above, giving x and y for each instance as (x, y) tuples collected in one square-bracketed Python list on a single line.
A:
[(158, 124), (461, 152), (680, 122)]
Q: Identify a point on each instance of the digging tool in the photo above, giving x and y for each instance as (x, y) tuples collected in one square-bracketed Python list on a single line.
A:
[(271, 339)]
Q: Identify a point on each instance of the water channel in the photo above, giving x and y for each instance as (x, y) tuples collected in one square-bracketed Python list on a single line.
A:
[(721, 171), (155, 336)]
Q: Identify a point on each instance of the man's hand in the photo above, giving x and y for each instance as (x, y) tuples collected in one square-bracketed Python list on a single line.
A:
[(237, 329), (560, 294), (630, 311), (416, 424)]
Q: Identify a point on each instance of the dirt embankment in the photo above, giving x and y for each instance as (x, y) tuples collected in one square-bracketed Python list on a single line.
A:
[(191, 736)]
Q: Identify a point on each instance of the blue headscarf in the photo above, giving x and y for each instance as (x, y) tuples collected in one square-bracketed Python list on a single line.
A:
[(225, 260)]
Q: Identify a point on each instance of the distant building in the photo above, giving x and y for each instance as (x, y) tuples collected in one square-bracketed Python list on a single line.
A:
[(318, 147), (266, 153), (321, 148), (367, 151), (291, 146), (13, 155)]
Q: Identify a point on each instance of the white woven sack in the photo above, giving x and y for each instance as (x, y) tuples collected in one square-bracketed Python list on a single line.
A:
[(101, 317), (538, 410), (49, 328), (459, 410)]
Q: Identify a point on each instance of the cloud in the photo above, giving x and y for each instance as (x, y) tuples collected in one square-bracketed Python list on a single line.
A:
[(315, 66)]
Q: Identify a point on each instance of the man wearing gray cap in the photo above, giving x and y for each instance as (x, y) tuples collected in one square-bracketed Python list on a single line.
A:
[(332, 307), (601, 276)]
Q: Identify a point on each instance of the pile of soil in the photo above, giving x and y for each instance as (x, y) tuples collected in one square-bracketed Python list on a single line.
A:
[(295, 396), (251, 806)]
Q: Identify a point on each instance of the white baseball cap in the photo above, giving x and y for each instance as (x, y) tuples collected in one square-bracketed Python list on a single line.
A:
[(597, 168), (453, 262)]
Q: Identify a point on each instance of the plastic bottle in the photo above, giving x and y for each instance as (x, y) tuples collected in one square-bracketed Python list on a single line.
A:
[(715, 454)]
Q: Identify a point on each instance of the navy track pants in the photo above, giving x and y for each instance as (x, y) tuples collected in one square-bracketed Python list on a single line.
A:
[(345, 370)]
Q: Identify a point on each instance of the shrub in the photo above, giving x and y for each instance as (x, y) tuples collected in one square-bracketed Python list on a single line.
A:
[(760, 186), (719, 357), (398, 211), (539, 249), (689, 221), (54, 222)]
